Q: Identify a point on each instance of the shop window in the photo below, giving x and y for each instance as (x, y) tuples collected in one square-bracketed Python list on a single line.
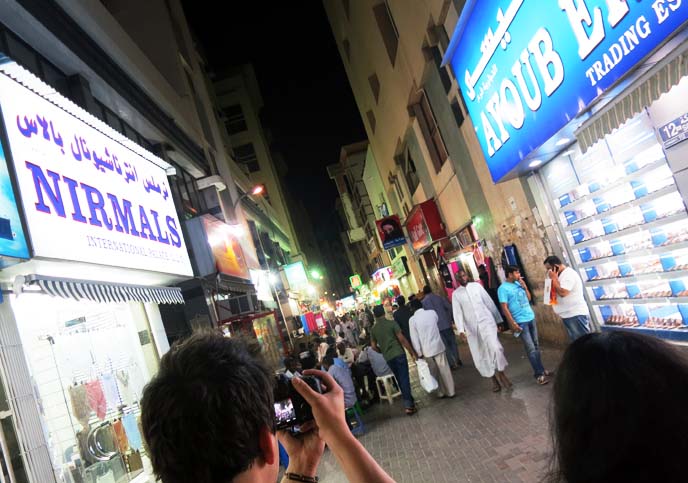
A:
[(388, 30), (371, 120), (408, 166), (431, 132), (235, 121), (374, 83), (346, 46), (245, 155)]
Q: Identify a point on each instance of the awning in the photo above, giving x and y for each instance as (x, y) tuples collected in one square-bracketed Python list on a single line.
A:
[(659, 80), (104, 292)]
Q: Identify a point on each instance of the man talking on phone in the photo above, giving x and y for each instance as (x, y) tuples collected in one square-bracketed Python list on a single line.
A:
[(570, 306), (208, 416), (515, 297)]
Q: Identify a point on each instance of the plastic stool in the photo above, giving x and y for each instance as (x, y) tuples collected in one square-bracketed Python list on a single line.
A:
[(389, 385), (353, 415)]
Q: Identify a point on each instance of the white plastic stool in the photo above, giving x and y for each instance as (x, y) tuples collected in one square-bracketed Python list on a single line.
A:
[(390, 385)]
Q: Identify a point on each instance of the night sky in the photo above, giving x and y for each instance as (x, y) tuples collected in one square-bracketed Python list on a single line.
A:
[(309, 106)]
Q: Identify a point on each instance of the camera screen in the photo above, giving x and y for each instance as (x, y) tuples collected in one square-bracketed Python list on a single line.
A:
[(284, 411)]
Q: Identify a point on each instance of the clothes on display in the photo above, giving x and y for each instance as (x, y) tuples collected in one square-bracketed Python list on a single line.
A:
[(96, 398), (110, 391), (132, 431), (120, 434), (80, 406)]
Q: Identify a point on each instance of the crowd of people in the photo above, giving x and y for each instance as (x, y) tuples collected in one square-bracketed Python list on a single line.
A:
[(618, 409)]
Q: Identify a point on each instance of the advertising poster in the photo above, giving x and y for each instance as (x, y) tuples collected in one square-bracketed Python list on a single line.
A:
[(227, 252), (296, 276), (390, 231)]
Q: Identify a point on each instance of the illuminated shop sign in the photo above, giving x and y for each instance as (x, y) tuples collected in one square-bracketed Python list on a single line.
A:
[(528, 67), (86, 197), (12, 238)]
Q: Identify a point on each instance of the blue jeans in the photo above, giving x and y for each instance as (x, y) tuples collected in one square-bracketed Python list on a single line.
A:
[(530, 344), (452, 350), (577, 326), (399, 366)]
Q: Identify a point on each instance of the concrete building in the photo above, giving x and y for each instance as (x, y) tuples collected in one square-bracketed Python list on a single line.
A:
[(424, 145)]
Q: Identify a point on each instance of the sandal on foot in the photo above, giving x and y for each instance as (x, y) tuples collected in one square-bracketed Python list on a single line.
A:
[(411, 411), (542, 380), (496, 388)]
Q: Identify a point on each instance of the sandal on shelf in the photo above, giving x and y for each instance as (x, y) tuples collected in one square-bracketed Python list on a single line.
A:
[(542, 380)]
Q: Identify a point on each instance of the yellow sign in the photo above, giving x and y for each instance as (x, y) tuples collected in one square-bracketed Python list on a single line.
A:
[(355, 281)]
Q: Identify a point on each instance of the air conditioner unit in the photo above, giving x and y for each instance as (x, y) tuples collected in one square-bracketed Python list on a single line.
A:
[(239, 305)]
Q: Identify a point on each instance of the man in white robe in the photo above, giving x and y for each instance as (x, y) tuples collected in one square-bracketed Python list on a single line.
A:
[(476, 318)]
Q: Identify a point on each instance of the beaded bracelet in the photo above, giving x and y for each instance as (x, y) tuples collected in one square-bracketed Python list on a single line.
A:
[(297, 477)]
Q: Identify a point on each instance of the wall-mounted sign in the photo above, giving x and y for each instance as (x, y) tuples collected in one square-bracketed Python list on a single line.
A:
[(12, 238), (399, 267), (675, 131), (355, 281), (382, 275), (296, 276), (261, 280), (390, 231), (424, 225), (226, 249), (528, 67), (86, 197)]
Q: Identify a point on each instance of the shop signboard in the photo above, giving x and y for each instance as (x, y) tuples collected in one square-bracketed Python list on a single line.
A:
[(528, 67), (355, 281), (382, 275), (12, 239), (86, 197), (390, 231), (261, 280), (424, 225), (296, 276)]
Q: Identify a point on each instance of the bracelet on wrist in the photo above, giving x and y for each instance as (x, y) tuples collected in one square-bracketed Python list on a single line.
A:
[(303, 478)]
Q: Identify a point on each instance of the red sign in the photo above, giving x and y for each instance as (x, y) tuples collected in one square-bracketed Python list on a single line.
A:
[(424, 225)]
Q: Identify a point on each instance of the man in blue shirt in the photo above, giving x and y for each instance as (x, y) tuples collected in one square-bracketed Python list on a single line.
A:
[(514, 297), (445, 323)]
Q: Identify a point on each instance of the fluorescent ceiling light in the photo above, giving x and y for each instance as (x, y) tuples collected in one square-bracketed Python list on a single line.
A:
[(562, 142), (535, 163)]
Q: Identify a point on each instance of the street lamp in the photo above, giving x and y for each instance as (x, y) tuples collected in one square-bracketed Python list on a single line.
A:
[(255, 191)]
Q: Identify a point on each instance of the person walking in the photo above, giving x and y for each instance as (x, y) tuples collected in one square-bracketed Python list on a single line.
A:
[(443, 309), (402, 316), (515, 299), (427, 341), (570, 304), (386, 337), (476, 317)]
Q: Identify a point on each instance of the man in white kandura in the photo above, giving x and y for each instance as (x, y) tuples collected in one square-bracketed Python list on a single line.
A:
[(476, 318)]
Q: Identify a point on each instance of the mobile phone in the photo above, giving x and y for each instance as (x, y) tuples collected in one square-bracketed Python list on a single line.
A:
[(291, 409)]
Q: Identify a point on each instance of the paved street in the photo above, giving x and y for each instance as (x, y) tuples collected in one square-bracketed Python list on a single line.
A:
[(477, 436)]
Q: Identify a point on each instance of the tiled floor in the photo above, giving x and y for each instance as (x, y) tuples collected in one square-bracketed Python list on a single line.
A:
[(477, 436)]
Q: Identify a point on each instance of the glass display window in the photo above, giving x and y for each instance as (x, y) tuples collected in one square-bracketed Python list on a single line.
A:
[(625, 223), (88, 365)]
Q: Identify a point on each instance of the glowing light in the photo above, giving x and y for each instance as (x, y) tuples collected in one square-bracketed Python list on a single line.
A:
[(258, 189), (535, 163), (563, 142)]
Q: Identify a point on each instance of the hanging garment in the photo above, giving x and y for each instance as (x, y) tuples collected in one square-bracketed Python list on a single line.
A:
[(80, 406), (96, 398), (110, 390), (310, 321), (121, 436), (125, 389), (304, 324), (132, 431)]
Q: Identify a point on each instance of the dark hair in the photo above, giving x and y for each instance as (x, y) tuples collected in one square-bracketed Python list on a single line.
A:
[(511, 269), (401, 300), (202, 413), (329, 340), (378, 311), (331, 351), (552, 260), (619, 410), (341, 348), (302, 346), (328, 360), (416, 304), (412, 297), (427, 289)]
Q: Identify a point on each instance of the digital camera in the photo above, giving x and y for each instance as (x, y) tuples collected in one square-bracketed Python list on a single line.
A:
[(291, 409)]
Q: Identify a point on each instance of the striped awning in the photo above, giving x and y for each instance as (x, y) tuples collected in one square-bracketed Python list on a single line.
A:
[(648, 89), (104, 292)]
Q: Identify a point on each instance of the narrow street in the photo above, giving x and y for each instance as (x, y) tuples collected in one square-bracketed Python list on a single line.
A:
[(477, 436)]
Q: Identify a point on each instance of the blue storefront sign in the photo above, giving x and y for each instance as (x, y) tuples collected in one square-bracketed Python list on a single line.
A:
[(12, 238), (528, 67)]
